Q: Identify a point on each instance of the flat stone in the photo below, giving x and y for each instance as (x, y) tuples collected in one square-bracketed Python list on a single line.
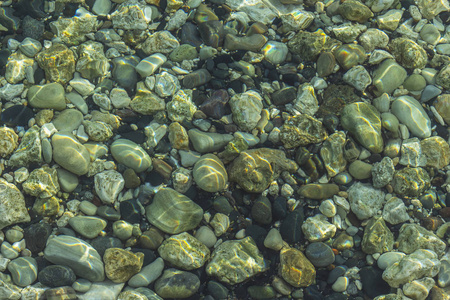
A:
[(88, 227), (68, 120), (320, 254), (318, 191), (131, 155), (76, 254), (57, 275), (173, 212), (70, 154)]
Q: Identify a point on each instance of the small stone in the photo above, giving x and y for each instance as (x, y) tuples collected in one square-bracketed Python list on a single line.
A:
[(57, 275), (320, 254), (108, 185), (262, 211), (382, 172), (148, 274), (296, 269), (442, 78), (355, 11), (160, 42), (232, 255), (394, 211), (121, 265), (23, 271), (318, 191), (89, 227), (411, 181), (273, 240), (47, 96), (317, 228), (177, 284), (8, 141), (181, 108), (388, 76), (363, 121), (437, 152), (210, 174), (205, 142), (150, 64), (302, 130), (360, 170)]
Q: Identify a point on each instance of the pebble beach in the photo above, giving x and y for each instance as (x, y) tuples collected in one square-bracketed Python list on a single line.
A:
[(224, 149)]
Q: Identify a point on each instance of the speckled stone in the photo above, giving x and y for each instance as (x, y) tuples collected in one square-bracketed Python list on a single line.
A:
[(411, 181), (8, 141), (302, 130), (246, 109), (70, 154), (42, 182), (184, 251), (408, 53), (108, 185), (412, 237), (332, 153), (365, 201), (296, 269), (121, 265), (377, 237), (12, 205), (234, 261), (318, 229), (58, 62)]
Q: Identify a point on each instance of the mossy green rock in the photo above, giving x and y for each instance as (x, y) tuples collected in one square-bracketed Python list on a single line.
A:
[(184, 52), (377, 237), (363, 121), (408, 53), (411, 181)]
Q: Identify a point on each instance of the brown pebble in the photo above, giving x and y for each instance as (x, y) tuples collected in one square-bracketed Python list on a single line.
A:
[(132, 181), (432, 223), (343, 194), (163, 168), (389, 188)]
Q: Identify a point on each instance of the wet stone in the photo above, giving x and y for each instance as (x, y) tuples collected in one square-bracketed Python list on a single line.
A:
[(253, 172), (246, 109), (365, 200), (181, 108), (56, 293), (234, 261), (210, 174), (350, 55), (196, 78), (146, 102), (442, 78), (360, 170), (148, 274), (408, 53), (377, 237), (325, 64), (411, 153), (410, 112), (320, 254), (442, 105), (58, 62), (131, 155), (91, 62), (42, 182), (16, 115), (363, 121), (121, 265), (173, 212), (414, 266), (75, 253), (124, 72), (23, 271), (296, 269), (254, 42), (318, 229), (437, 152), (89, 227), (413, 237), (68, 120), (262, 211), (57, 275), (302, 130), (411, 181), (131, 15), (70, 154), (308, 45), (212, 33), (177, 284), (160, 42), (8, 141), (318, 191), (150, 64), (108, 185), (50, 96), (184, 251), (388, 76), (12, 204), (16, 67), (382, 172)]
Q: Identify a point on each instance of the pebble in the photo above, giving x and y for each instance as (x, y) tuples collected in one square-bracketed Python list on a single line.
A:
[(410, 112), (131, 155), (365, 200), (70, 154), (24, 271), (319, 254), (75, 253), (148, 274), (177, 284), (173, 212), (292, 260), (88, 227), (210, 174), (56, 275), (388, 259), (377, 237), (12, 203), (121, 265)]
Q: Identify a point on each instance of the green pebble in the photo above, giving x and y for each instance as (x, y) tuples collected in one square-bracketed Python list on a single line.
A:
[(415, 82), (184, 52)]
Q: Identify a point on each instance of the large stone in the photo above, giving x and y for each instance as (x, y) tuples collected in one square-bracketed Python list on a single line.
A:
[(234, 261), (108, 185), (413, 237), (332, 153), (388, 76), (431, 8), (408, 53), (8, 141), (70, 154), (363, 121), (75, 253), (302, 130), (29, 150), (210, 173), (58, 62), (42, 182), (246, 109), (411, 181), (173, 212), (12, 205), (177, 284), (414, 266), (437, 152)]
